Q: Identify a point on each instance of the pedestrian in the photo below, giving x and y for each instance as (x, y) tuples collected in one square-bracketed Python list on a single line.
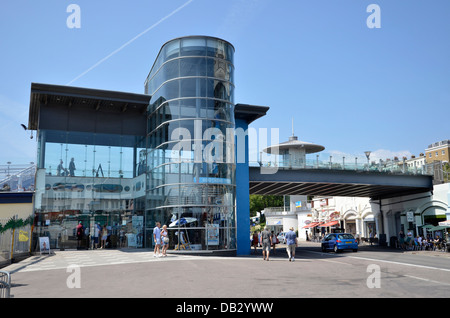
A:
[(401, 240), (266, 242), (79, 233), (72, 167), (60, 168), (255, 240), (409, 239), (104, 236), (437, 243), (274, 241), (122, 237), (419, 242), (97, 230), (164, 240), (291, 244), (157, 239)]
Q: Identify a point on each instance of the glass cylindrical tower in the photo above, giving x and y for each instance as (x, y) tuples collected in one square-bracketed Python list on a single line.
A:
[(190, 144)]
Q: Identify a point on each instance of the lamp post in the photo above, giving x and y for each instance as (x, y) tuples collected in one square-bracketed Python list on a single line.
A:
[(367, 153)]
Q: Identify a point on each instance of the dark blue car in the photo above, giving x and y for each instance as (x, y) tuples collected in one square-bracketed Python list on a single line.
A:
[(339, 242)]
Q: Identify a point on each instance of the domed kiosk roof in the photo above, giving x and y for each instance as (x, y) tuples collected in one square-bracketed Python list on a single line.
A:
[(295, 143)]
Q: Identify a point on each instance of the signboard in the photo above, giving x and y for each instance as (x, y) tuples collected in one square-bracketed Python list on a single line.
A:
[(23, 236), (410, 216), (44, 245), (334, 215), (212, 234), (298, 204), (212, 180)]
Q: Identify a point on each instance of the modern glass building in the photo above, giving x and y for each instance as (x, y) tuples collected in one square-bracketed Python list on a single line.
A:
[(191, 171), (127, 161)]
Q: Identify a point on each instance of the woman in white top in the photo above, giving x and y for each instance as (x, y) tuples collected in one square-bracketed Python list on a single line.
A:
[(164, 240)]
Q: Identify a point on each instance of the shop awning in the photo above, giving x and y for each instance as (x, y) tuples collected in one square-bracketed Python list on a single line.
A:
[(311, 225), (332, 223), (439, 228)]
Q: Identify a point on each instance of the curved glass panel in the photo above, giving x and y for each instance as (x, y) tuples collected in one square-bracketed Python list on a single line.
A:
[(191, 168)]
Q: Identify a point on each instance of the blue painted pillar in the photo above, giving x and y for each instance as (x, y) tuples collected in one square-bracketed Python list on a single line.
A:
[(242, 190)]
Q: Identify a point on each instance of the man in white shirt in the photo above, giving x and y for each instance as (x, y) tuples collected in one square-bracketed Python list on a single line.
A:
[(157, 239)]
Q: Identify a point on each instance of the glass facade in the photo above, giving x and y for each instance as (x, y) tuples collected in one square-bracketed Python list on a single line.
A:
[(126, 162), (190, 144), (93, 178)]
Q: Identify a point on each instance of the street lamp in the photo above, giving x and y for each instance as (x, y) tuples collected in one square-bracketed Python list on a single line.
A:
[(367, 153)]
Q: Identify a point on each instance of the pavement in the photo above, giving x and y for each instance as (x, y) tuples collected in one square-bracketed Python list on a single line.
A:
[(136, 273)]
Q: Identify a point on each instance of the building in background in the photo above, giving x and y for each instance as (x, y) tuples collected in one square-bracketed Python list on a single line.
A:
[(438, 151)]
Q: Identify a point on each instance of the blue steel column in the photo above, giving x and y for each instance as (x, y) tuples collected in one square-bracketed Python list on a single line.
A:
[(242, 198)]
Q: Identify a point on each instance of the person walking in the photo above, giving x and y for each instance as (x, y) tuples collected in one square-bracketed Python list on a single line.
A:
[(255, 241), (266, 242), (104, 236), (274, 241), (157, 239), (291, 244)]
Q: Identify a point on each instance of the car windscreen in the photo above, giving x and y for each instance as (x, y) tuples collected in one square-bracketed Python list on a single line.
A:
[(346, 237)]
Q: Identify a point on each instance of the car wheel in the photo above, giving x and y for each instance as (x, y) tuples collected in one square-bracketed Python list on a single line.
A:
[(335, 249), (324, 248), (355, 250)]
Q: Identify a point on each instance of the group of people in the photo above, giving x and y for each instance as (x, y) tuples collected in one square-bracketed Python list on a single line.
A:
[(62, 171), (256, 240), (161, 240), (99, 232), (268, 239), (99, 239), (409, 242)]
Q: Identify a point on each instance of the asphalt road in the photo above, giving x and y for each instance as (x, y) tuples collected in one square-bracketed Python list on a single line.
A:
[(371, 272)]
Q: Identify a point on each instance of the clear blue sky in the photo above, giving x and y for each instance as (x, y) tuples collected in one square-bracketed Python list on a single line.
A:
[(348, 87)]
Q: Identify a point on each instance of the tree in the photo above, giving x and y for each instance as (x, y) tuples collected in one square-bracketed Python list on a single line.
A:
[(260, 202)]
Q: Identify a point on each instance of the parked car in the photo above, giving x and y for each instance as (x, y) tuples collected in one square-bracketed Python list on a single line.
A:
[(339, 242), (282, 237)]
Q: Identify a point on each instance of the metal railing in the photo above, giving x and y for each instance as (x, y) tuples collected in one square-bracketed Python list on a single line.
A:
[(5, 284), (17, 177), (394, 166)]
